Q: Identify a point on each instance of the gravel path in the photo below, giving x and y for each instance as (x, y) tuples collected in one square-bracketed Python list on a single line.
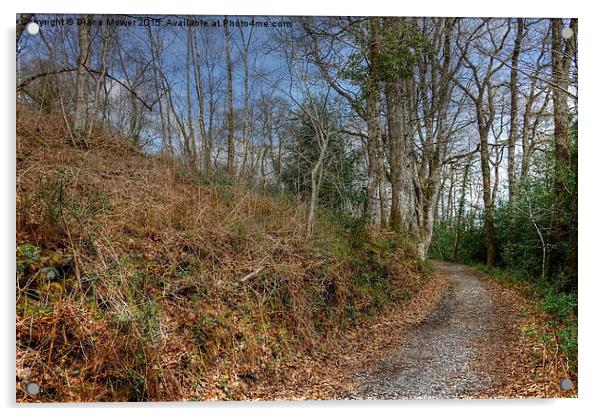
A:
[(442, 356)]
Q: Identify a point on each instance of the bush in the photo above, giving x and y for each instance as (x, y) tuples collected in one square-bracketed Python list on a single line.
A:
[(561, 305)]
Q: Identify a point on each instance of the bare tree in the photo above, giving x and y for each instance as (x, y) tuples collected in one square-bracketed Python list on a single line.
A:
[(563, 51), (156, 59), (436, 124), (484, 102), (101, 76), (367, 42), (532, 114), (514, 104), (246, 122), (317, 112), (81, 99), (230, 151)]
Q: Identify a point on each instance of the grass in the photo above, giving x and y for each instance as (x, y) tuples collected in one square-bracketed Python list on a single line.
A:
[(129, 273)]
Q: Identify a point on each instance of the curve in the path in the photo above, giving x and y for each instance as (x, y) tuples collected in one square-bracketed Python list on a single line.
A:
[(438, 359)]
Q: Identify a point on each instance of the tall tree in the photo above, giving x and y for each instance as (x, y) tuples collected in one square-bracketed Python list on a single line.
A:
[(397, 74), (230, 150), (364, 72), (317, 112), (373, 107), (81, 98), (106, 34), (436, 116), (514, 105), (532, 114), (485, 108), (564, 49), (246, 122), (191, 145)]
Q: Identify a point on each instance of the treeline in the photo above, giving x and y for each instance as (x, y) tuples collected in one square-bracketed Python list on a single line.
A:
[(536, 231), (530, 223), (462, 124)]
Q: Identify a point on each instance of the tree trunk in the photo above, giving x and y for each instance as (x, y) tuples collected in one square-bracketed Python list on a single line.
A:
[(316, 172), (200, 96), (242, 166), (81, 100), (101, 78), (372, 93), (190, 137), (396, 157), (514, 106), (560, 66), (21, 24), (230, 151), (563, 51), (158, 84), (487, 197)]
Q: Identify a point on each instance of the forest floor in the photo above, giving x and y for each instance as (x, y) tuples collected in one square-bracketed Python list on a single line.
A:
[(461, 337)]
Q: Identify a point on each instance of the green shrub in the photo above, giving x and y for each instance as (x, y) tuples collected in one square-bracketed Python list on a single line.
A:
[(559, 304)]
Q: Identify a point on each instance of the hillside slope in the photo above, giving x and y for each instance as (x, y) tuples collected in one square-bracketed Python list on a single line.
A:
[(139, 279)]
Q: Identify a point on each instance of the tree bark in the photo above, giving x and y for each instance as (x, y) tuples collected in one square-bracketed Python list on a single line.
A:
[(81, 100), (106, 35), (563, 51), (230, 151), (395, 151), (191, 145), (158, 84), (514, 106), (372, 92), (21, 24), (485, 108), (561, 59), (432, 90), (246, 127), (487, 197)]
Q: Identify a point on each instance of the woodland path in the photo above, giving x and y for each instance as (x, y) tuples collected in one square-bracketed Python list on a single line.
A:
[(455, 352)]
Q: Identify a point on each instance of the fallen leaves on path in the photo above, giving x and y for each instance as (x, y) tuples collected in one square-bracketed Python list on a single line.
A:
[(329, 374), (523, 368), (514, 365)]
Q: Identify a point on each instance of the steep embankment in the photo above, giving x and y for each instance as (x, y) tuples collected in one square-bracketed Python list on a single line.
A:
[(131, 276)]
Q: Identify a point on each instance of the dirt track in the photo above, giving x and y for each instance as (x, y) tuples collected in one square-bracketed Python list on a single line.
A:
[(451, 354), (461, 336)]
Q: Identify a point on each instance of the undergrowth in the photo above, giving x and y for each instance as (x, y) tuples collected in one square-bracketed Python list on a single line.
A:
[(131, 274), (557, 330)]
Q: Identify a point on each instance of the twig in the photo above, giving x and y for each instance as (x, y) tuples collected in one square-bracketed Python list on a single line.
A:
[(252, 274)]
